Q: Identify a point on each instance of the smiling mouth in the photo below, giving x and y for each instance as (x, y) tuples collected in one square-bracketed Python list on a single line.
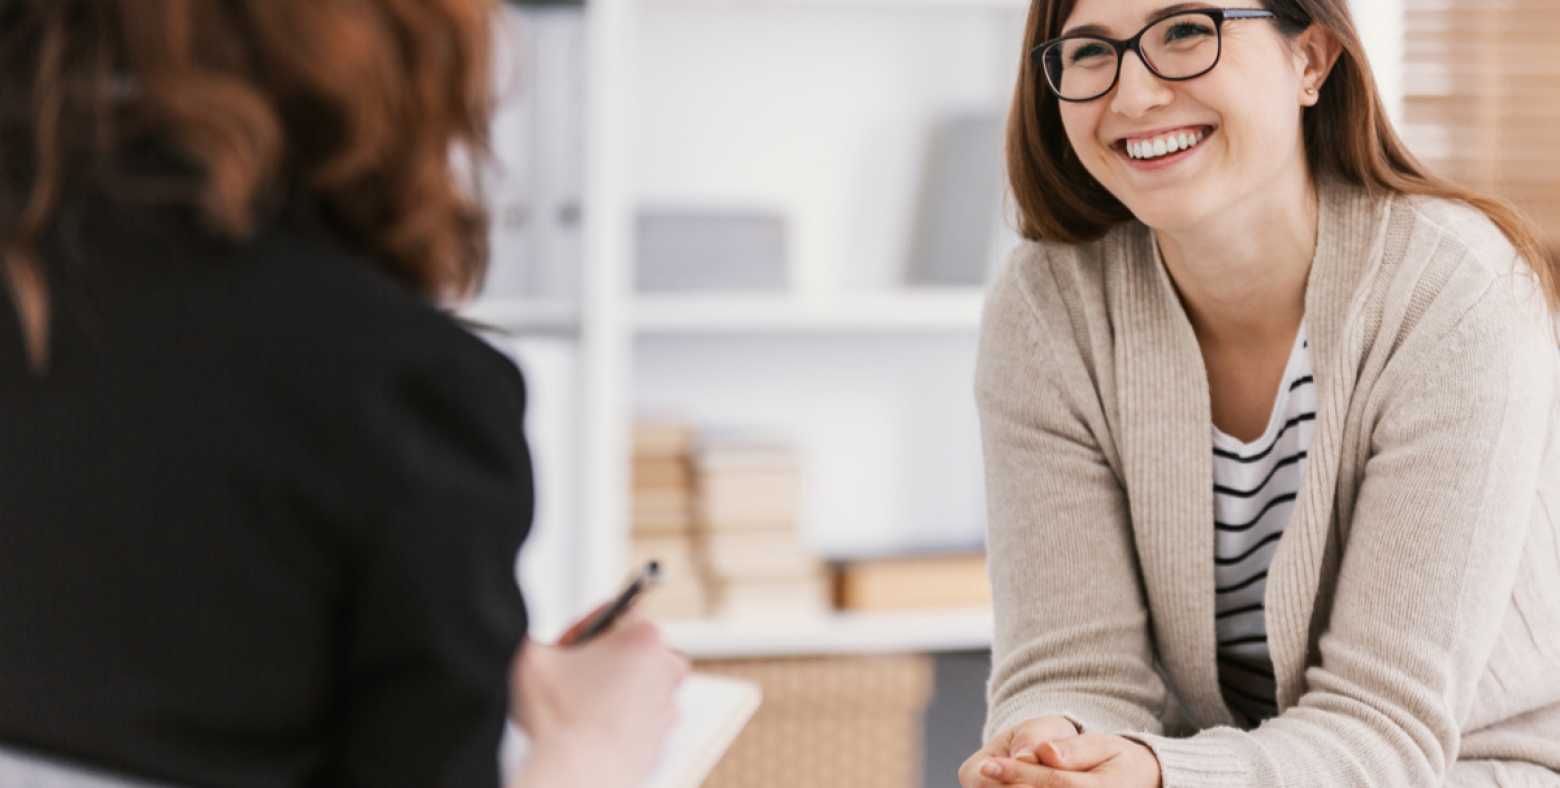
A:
[(1165, 145)]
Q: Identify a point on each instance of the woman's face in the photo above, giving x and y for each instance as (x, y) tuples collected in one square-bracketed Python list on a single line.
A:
[(1247, 111)]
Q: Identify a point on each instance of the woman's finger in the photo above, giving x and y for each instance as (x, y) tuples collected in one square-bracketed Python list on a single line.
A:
[(1080, 753), (1008, 772), (969, 772), (986, 770), (1026, 737), (971, 776)]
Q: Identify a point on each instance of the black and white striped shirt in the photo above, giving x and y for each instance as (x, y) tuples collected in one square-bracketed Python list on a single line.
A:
[(1255, 485)]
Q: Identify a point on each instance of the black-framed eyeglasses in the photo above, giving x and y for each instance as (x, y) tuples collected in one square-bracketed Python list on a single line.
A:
[(1175, 47)]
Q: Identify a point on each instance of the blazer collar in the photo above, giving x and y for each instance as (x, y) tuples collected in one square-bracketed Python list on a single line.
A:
[(1166, 449)]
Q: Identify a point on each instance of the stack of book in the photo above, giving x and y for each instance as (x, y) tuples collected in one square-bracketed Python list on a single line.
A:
[(664, 521), (932, 581), (747, 513)]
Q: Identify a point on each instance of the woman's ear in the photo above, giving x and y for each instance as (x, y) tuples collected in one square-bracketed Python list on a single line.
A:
[(1316, 51)]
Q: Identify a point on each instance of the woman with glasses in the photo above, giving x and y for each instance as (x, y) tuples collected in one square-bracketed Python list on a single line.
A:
[(1272, 425)]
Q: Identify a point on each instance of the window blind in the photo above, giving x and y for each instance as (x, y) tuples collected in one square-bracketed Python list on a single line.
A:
[(1482, 99)]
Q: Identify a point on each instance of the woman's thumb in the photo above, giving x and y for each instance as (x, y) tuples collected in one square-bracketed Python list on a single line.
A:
[(1077, 754)]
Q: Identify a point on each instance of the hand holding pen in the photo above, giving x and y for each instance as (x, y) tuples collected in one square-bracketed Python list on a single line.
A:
[(592, 625), (608, 686)]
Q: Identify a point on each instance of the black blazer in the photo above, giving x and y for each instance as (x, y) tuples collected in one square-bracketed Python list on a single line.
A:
[(259, 520)]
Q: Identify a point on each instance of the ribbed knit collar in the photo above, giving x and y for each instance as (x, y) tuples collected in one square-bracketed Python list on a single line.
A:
[(1165, 415)]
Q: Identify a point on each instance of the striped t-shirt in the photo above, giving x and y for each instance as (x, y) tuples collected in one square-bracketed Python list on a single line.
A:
[(1255, 486)]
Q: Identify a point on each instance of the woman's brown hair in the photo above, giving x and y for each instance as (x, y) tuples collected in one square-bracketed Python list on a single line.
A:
[(1347, 133), (354, 105)]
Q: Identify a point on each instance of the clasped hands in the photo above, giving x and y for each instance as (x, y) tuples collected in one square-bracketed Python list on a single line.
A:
[(1048, 752)]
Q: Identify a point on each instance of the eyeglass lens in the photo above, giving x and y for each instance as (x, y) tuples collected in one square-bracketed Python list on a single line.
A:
[(1177, 47)]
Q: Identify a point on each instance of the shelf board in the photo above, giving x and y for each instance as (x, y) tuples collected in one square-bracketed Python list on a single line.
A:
[(839, 633), (907, 311), (554, 317)]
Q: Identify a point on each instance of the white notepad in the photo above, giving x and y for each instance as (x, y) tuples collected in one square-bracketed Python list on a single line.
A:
[(712, 710)]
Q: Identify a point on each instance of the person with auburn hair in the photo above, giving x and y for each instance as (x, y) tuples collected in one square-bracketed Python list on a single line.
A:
[(1271, 420), (262, 495)]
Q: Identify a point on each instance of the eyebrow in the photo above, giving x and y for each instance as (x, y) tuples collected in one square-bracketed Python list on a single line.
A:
[(1100, 30)]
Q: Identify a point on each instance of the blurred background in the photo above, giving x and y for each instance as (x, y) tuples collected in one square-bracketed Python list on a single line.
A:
[(739, 251)]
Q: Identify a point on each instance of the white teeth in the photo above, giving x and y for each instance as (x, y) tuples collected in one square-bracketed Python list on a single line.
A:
[(1163, 145)]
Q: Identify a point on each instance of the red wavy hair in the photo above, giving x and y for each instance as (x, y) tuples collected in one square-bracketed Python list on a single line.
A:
[(357, 104)]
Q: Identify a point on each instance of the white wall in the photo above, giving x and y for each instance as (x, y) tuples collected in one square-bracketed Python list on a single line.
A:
[(1380, 23), (820, 113), (548, 578)]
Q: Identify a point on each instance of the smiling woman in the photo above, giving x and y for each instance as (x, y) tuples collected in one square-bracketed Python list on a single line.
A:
[(1271, 419), (1347, 130)]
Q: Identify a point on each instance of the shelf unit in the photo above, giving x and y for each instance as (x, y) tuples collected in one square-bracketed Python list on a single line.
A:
[(931, 631), (525, 316), (909, 312), (921, 311), (618, 342), (834, 151)]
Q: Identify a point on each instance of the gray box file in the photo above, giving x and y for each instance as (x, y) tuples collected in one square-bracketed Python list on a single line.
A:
[(693, 251)]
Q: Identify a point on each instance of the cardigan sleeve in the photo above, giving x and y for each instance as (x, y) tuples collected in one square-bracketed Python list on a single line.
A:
[(1072, 636), (1430, 559)]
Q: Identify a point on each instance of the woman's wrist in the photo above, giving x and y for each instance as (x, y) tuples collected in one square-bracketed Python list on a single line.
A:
[(554, 762)]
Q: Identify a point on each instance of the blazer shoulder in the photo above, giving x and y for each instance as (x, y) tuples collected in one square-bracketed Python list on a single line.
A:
[(344, 308), (374, 369)]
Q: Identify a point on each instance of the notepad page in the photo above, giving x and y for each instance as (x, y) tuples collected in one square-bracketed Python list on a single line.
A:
[(712, 711)]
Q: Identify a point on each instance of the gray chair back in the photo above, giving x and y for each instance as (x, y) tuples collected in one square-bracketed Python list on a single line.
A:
[(25, 770)]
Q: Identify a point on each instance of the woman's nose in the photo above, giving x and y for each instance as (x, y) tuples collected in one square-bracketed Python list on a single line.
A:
[(1137, 89)]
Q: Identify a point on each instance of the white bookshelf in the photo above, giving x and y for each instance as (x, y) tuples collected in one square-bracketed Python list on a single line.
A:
[(908, 312), (528, 316), (819, 108), (870, 355), (844, 633)]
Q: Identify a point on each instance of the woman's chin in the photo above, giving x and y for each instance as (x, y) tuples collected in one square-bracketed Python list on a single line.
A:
[(1163, 217), (1168, 210)]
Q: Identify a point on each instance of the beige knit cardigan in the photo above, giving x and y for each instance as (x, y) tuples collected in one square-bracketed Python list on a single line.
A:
[(1413, 604)]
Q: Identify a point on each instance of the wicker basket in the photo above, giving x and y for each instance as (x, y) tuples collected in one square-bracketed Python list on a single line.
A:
[(845, 721)]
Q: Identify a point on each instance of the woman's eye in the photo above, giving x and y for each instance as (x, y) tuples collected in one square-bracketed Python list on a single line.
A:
[(1084, 54), (1186, 30)]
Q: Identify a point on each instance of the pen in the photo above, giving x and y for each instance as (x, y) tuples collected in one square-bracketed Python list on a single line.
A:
[(604, 618)]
